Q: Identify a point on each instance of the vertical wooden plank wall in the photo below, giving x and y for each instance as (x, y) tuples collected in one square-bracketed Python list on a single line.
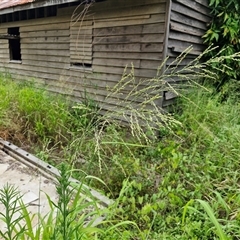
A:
[(125, 32), (188, 23)]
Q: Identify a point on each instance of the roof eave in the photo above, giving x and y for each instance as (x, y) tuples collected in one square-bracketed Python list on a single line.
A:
[(36, 4)]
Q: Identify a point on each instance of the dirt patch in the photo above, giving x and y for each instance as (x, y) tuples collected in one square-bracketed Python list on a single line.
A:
[(16, 137)]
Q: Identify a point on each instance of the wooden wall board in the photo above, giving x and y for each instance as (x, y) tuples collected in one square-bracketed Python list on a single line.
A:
[(182, 19), (36, 69), (154, 28), (142, 73), (79, 22), (147, 48), (45, 27), (204, 3), (194, 5), (55, 39), (81, 42), (131, 12), (188, 23), (30, 75), (39, 58), (183, 37), (195, 50), (154, 18), (116, 62), (45, 52), (82, 61), (46, 33), (136, 38), (46, 64), (150, 64), (81, 31), (3, 60), (125, 55), (46, 46), (4, 44), (173, 61), (180, 27), (4, 53), (187, 11), (83, 55)]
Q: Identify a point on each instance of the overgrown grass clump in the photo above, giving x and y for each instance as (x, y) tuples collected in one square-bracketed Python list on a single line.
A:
[(202, 162), (32, 114)]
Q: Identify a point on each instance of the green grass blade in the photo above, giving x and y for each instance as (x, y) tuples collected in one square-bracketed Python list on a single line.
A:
[(186, 207), (209, 211)]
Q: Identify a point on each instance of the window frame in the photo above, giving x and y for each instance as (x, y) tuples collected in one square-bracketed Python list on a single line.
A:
[(14, 44)]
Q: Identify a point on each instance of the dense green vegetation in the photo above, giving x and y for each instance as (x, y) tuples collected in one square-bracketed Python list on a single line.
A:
[(224, 33), (183, 184)]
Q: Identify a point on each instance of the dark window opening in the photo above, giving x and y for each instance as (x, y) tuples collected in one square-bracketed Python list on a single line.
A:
[(4, 18), (14, 44), (51, 11), (16, 16), (31, 14), (63, 5), (23, 15), (81, 65), (40, 12), (9, 17), (72, 4)]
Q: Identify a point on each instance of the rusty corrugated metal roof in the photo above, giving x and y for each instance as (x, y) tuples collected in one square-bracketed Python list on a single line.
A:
[(11, 3)]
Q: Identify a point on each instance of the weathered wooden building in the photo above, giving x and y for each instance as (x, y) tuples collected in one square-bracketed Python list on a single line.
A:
[(76, 46)]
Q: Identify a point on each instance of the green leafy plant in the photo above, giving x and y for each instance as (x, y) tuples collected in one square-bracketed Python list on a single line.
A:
[(9, 199), (221, 225), (224, 32), (76, 215), (71, 220)]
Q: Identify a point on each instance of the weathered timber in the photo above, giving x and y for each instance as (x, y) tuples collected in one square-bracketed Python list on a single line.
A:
[(188, 22), (78, 50)]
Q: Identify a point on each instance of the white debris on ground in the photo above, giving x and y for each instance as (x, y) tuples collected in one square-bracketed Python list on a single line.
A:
[(30, 183)]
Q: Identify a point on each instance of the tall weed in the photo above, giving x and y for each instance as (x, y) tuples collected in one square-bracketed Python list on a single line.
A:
[(76, 215)]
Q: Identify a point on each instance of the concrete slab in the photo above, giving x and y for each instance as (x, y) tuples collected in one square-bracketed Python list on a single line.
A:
[(30, 183)]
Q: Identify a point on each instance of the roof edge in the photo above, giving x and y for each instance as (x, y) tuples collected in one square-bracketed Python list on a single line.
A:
[(36, 4)]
